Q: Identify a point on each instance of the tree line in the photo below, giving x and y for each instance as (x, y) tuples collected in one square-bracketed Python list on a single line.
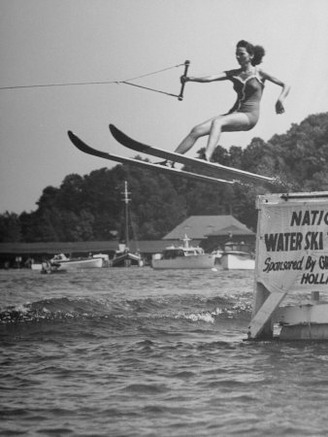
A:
[(91, 207)]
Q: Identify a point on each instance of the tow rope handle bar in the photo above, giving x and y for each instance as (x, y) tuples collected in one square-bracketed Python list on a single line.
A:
[(186, 64)]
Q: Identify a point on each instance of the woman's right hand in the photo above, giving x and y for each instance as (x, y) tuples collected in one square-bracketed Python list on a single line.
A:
[(279, 107)]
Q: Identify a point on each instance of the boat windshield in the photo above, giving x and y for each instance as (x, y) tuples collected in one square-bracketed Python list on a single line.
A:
[(236, 247), (193, 251), (172, 253)]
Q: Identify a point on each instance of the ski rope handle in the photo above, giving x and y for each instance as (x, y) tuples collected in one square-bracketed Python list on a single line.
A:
[(180, 96)]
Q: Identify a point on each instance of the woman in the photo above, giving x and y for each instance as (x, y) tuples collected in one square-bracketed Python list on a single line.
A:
[(248, 82)]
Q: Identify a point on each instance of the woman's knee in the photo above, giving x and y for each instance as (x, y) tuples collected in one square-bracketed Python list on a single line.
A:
[(217, 123), (197, 131)]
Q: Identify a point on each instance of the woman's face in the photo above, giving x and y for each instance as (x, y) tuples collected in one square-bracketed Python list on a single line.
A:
[(242, 56)]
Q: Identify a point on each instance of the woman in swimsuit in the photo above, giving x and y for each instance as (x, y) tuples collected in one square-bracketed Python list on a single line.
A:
[(248, 82)]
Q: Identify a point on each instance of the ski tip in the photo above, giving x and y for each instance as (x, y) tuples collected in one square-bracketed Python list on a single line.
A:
[(74, 139), (81, 145), (119, 136), (113, 129), (70, 135), (78, 143)]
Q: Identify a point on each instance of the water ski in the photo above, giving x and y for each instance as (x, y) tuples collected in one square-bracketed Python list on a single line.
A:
[(209, 168), (83, 147)]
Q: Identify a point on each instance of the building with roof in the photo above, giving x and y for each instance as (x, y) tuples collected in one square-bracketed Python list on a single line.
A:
[(212, 231), (12, 254)]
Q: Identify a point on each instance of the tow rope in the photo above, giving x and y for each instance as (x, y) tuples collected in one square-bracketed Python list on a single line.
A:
[(125, 82)]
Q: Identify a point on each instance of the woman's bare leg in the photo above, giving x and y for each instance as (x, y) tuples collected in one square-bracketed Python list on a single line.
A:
[(214, 127), (197, 132), (225, 123)]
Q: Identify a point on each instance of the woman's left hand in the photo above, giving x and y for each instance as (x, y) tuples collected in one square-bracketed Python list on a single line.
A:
[(280, 107), (184, 79)]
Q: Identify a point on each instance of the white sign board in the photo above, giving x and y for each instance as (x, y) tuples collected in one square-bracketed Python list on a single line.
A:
[(292, 242)]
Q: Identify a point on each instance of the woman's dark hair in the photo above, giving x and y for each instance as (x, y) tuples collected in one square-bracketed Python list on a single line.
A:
[(257, 51)]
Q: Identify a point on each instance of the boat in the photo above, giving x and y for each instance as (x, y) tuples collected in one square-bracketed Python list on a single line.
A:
[(237, 256), (184, 256), (62, 262), (47, 268), (123, 257), (36, 266)]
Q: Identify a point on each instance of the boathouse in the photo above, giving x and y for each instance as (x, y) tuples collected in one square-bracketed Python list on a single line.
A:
[(210, 232)]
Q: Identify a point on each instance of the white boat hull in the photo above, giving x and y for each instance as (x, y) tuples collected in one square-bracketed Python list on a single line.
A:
[(231, 261), (127, 259), (303, 322), (36, 267), (185, 262), (80, 264)]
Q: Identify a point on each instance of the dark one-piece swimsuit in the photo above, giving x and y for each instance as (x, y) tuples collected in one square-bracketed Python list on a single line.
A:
[(249, 93)]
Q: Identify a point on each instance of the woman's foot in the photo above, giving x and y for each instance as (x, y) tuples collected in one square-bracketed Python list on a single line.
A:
[(166, 163), (203, 156)]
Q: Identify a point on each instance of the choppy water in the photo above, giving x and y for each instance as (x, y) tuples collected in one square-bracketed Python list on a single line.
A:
[(137, 352)]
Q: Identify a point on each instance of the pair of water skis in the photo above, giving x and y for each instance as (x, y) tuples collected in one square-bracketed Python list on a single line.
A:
[(201, 170)]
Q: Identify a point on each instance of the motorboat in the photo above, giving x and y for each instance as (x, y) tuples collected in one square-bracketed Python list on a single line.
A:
[(184, 256), (48, 268), (62, 262), (237, 256), (36, 266)]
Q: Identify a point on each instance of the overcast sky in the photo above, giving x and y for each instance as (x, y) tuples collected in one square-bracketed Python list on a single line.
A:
[(71, 41)]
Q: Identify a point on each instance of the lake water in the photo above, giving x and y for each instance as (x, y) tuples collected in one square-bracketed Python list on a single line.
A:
[(138, 352)]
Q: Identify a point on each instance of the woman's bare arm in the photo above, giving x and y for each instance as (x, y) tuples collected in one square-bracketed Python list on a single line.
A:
[(204, 79), (284, 92)]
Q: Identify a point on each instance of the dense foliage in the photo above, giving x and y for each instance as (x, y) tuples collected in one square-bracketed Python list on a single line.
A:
[(92, 208)]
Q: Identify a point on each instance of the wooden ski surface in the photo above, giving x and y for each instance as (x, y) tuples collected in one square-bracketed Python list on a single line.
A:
[(208, 168), (83, 147)]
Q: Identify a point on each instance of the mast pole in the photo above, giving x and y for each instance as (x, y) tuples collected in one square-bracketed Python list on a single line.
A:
[(126, 201)]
